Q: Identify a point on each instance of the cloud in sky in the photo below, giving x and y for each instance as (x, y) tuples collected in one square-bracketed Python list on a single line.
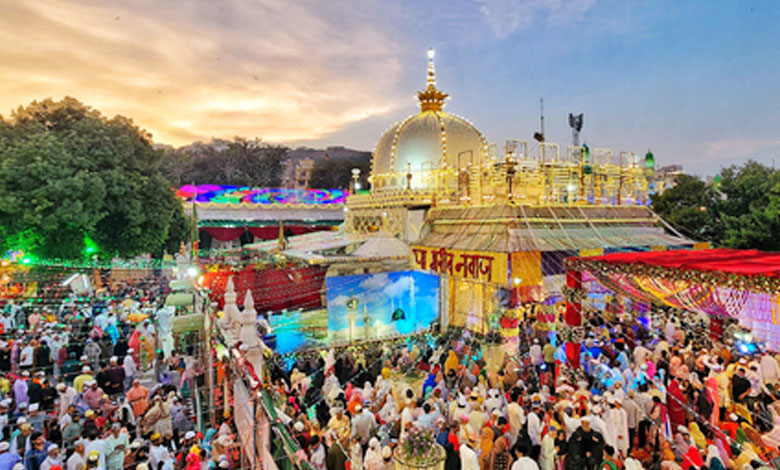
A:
[(695, 81), (507, 16), (196, 69)]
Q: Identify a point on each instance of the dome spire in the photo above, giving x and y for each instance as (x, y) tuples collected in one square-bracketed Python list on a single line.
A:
[(431, 68), (431, 99)]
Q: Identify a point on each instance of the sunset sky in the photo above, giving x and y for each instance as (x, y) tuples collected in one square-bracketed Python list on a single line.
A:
[(698, 82)]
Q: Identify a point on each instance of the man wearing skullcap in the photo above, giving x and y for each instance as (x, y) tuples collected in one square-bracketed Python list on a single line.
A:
[(7, 458), (53, 458), (339, 423), (116, 377), (76, 460), (83, 378), (130, 368), (116, 443)]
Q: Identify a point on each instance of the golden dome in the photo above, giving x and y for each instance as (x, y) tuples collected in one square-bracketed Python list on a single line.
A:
[(427, 141)]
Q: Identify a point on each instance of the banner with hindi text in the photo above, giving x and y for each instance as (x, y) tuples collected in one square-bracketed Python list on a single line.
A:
[(485, 266)]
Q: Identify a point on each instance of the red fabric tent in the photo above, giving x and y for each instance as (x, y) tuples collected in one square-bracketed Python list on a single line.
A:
[(741, 262), (225, 234), (273, 289), (272, 231)]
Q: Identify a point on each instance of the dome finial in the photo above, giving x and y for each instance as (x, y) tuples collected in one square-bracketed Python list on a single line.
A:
[(431, 68), (431, 99)]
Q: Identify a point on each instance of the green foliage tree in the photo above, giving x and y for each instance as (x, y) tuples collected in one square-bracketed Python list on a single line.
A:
[(67, 172), (749, 208), (744, 211), (241, 162), (690, 206), (330, 173)]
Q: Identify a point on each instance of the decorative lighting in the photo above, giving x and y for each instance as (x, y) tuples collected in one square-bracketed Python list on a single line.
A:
[(230, 194)]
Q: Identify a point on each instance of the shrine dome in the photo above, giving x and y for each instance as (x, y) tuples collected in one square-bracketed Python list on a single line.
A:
[(424, 142)]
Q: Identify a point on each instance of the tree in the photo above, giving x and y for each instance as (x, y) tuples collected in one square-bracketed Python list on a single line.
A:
[(241, 162), (690, 207), (749, 208), (67, 173), (744, 211), (330, 173)]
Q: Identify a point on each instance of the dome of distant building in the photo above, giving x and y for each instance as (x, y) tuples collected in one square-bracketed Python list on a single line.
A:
[(425, 142)]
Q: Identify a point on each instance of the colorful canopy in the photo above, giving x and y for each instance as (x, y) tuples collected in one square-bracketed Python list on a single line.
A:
[(740, 262), (742, 284)]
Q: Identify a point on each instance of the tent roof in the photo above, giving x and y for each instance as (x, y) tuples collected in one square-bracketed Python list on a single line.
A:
[(723, 260), (382, 244), (514, 228)]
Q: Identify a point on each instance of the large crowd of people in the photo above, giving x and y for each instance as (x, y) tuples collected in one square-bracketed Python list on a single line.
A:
[(663, 397), (89, 383), (85, 384)]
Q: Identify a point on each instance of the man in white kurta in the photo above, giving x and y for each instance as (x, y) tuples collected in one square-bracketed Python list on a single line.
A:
[(535, 427), (770, 372), (617, 424), (468, 456)]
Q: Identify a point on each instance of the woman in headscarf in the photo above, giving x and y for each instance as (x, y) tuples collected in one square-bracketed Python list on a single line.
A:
[(152, 416), (772, 438), (747, 455), (500, 457), (754, 436), (674, 365), (452, 362), (134, 343), (713, 460), (682, 441), (561, 447), (714, 398), (675, 403), (692, 459), (193, 461), (486, 446), (632, 464), (373, 458), (389, 412), (702, 406), (164, 425), (724, 450), (697, 436), (429, 384), (368, 391)]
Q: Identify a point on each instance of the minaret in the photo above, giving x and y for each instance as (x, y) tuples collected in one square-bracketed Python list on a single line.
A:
[(412, 302), (230, 310), (249, 336), (366, 323), (431, 99), (248, 329)]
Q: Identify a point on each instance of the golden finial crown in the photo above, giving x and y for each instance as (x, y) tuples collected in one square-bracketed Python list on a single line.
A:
[(431, 99)]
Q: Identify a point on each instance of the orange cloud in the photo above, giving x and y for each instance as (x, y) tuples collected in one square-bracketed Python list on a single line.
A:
[(281, 71)]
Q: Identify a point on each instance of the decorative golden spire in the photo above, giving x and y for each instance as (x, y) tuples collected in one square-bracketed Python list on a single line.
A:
[(431, 99)]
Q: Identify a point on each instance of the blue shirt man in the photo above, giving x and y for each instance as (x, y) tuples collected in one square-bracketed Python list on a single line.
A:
[(8, 459)]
